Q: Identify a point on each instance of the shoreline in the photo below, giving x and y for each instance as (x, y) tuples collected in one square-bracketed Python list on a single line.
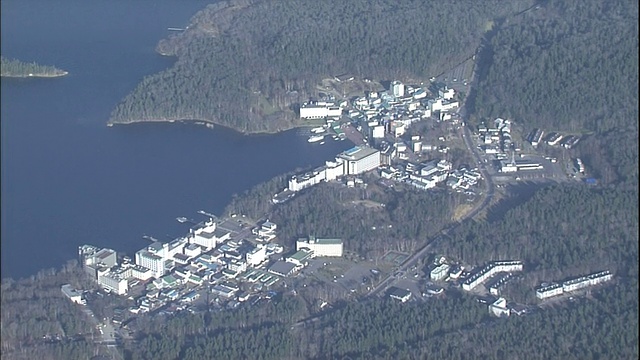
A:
[(210, 124), (64, 73)]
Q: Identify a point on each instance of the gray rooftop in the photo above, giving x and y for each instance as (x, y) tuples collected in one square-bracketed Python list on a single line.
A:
[(282, 267), (357, 153)]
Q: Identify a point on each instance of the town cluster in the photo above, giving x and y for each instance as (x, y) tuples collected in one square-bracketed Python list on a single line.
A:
[(238, 267), (492, 278), (233, 269), (383, 116)]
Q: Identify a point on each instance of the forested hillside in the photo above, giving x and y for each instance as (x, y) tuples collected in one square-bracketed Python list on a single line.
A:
[(371, 221), (570, 66), (244, 64), (563, 231), (448, 328)]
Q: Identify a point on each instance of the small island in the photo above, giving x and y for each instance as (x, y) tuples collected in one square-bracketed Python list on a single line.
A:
[(17, 68)]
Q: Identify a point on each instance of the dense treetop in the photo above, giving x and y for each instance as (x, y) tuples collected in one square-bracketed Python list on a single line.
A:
[(562, 226), (570, 66), (244, 64), (17, 68)]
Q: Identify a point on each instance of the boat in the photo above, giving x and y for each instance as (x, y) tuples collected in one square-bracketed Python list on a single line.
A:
[(317, 130), (315, 138), (321, 142), (182, 219)]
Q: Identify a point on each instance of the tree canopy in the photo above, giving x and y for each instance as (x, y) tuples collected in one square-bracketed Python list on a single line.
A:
[(245, 64), (17, 68)]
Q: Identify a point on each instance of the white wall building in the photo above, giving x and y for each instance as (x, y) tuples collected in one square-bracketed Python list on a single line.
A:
[(299, 182), (377, 132), (208, 235), (113, 282), (321, 247), (192, 250), (334, 169), (397, 88), (499, 308), (545, 292), (440, 272), (141, 273), (360, 159), (72, 294), (256, 256), (446, 94), (434, 105), (151, 261), (490, 270), (319, 111)]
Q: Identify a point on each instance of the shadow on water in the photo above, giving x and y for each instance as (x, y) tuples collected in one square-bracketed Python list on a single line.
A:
[(516, 194)]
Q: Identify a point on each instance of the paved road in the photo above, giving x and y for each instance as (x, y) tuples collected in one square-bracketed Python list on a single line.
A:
[(488, 197), (106, 336)]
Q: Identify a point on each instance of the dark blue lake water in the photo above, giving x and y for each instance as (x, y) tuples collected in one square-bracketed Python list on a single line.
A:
[(68, 179)]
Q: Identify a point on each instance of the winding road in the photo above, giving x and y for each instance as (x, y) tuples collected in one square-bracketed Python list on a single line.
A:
[(488, 193)]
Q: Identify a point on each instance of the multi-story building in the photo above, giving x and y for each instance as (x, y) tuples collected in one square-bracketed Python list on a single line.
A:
[(548, 291), (397, 88), (152, 262), (496, 283), (113, 281), (333, 169), (321, 247), (300, 257), (208, 235), (93, 258), (73, 295), (446, 94), (141, 273), (440, 272), (585, 281), (192, 250), (499, 308), (360, 159), (490, 270), (574, 284), (257, 255), (302, 181), (319, 110)]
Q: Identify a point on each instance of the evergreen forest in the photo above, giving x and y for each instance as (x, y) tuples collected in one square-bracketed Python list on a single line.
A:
[(17, 68), (567, 66), (247, 64)]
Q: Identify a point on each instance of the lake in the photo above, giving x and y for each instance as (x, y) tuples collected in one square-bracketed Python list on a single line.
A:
[(68, 179)]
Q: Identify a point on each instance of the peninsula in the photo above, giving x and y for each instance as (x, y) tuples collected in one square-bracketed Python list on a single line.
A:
[(248, 65), (17, 68)]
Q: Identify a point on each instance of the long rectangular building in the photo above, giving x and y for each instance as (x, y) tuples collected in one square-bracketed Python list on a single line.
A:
[(574, 284), (321, 247), (490, 270)]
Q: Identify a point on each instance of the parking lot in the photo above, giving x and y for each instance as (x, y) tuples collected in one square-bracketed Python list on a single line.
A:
[(346, 275)]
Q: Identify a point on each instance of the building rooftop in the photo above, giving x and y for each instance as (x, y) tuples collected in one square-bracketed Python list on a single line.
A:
[(321, 241), (104, 253), (219, 233), (301, 255), (156, 246), (398, 292), (357, 153), (282, 267), (69, 291), (149, 255)]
